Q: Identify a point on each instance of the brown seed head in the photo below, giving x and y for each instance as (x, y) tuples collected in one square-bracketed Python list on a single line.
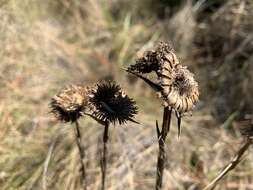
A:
[(109, 103), (69, 104), (180, 90), (155, 60), (145, 64)]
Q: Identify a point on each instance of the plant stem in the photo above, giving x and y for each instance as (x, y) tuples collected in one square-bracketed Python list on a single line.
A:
[(81, 154), (235, 161), (104, 154), (161, 140)]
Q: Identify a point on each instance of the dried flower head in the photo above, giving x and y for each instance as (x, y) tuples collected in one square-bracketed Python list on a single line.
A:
[(180, 90), (155, 60), (70, 103), (175, 83), (109, 103), (145, 64)]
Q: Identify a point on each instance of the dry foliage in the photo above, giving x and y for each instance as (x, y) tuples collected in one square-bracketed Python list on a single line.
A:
[(47, 45)]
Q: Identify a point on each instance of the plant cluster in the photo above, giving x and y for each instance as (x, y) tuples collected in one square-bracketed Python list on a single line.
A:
[(174, 84), (105, 102), (108, 104)]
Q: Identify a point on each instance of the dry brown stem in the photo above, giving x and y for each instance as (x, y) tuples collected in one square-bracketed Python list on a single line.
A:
[(81, 154), (235, 161), (161, 140), (104, 155)]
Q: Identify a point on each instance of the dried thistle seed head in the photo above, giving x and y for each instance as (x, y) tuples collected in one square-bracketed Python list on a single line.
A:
[(109, 103), (69, 104), (180, 90), (176, 84), (155, 60), (246, 128), (145, 64)]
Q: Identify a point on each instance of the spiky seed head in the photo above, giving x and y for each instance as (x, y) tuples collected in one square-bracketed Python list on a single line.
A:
[(69, 104), (109, 103), (180, 90)]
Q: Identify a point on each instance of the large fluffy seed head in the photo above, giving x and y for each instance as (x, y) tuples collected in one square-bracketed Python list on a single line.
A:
[(180, 90), (109, 103), (69, 103)]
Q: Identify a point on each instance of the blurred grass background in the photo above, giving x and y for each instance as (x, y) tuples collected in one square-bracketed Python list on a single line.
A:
[(48, 44)]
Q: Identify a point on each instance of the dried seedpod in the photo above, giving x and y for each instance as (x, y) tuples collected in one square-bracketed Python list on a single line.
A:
[(69, 104), (109, 103), (155, 60), (146, 63), (180, 90), (175, 84)]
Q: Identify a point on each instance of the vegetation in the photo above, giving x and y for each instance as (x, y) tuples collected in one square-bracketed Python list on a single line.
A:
[(46, 45)]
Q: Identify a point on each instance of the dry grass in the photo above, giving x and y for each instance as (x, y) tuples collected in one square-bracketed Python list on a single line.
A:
[(45, 46)]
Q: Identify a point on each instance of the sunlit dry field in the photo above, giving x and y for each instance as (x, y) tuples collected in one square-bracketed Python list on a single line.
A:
[(47, 45)]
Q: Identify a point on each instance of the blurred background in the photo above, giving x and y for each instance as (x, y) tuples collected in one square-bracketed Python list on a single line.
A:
[(48, 44)]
